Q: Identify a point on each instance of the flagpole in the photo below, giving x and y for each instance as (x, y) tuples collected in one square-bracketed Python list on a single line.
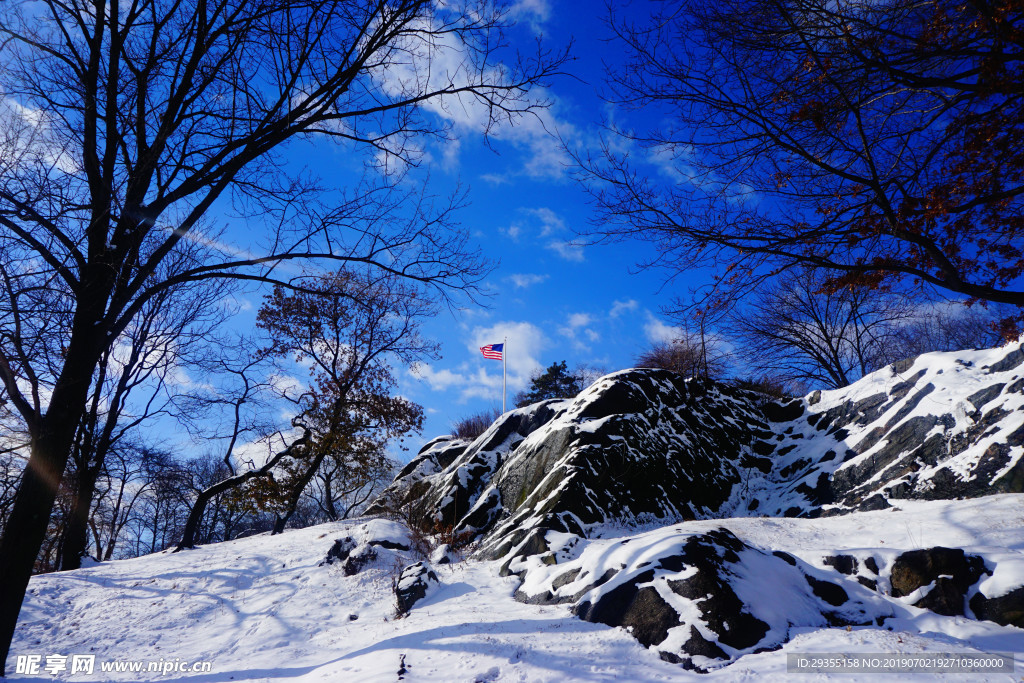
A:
[(504, 353)]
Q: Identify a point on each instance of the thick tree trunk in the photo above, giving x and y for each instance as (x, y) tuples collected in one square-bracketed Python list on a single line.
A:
[(76, 530), (53, 437), (26, 527), (199, 507), (195, 515)]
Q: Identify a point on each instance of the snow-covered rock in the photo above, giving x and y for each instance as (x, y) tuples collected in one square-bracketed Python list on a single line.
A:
[(379, 541), (412, 585), (636, 445), (701, 599), (641, 447)]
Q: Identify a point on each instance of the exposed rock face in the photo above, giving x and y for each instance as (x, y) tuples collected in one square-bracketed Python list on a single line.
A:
[(367, 545), (1005, 609), (649, 444), (941, 426), (638, 444)]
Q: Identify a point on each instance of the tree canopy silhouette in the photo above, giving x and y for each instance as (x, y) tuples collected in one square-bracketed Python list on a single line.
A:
[(126, 126), (878, 141)]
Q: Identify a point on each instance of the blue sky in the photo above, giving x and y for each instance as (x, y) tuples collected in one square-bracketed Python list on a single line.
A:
[(553, 298)]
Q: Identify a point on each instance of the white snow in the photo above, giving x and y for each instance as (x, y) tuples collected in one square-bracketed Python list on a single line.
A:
[(261, 609)]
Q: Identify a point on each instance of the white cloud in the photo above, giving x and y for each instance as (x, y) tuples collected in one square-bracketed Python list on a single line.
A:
[(550, 221), (620, 307), (439, 380), (570, 251), (577, 326), (657, 331), (579, 320), (438, 60), (523, 280), (27, 139), (480, 377), (533, 12), (523, 343), (495, 179), (514, 231)]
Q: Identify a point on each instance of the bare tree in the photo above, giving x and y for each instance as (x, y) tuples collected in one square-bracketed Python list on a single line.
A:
[(242, 400), (347, 327), (878, 141), (944, 326), (802, 332), (135, 383), (126, 125), (350, 327), (343, 486), (690, 355)]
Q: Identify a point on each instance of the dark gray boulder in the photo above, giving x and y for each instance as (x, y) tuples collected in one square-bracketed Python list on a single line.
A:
[(691, 601), (1006, 609), (412, 585), (951, 570)]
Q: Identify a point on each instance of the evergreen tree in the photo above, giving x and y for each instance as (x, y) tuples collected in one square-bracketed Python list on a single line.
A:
[(555, 382)]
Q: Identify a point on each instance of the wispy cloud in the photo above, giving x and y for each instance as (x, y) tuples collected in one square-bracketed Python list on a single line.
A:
[(439, 60), (495, 179), (577, 328), (523, 280), (620, 307), (533, 12), (550, 222), (657, 332), (570, 251)]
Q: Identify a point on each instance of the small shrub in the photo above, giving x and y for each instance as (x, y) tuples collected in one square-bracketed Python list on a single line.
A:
[(445, 534), (472, 426), (426, 534), (766, 385)]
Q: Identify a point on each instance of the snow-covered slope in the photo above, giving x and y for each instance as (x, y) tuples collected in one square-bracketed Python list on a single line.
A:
[(647, 446), (719, 529), (269, 609)]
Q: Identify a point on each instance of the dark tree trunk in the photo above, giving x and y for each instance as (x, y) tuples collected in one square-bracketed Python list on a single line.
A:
[(26, 527), (195, 516), (76, 529), (297, 490), (53, 437)]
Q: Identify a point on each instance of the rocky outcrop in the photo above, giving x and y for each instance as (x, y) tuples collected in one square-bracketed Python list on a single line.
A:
[(691, 597), (647, 445), (1006, 609), (947, 573), (637, 445), (940, 426), (378, 541)]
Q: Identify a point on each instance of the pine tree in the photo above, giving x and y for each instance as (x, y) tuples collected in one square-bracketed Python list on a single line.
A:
[(555, 382)]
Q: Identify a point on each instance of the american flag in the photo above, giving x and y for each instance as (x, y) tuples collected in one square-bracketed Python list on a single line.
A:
[(492, 351)]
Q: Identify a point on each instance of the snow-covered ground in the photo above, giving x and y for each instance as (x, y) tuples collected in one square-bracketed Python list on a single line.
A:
[(263, 609)]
